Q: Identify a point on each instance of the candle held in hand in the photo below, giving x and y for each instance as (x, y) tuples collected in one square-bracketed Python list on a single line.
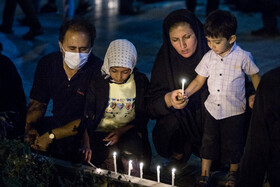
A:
[(183, 85)]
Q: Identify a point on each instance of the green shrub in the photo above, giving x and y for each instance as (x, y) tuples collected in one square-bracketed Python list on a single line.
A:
[(20, 167)]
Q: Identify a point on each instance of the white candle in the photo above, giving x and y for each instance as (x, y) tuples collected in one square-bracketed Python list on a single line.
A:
[(158, 174), (129, 167), (173, 176), (183, 85), (115, 161), (141, 170)]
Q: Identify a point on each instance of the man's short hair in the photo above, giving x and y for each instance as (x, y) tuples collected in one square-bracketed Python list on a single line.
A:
[(220, 23), (78, 25)]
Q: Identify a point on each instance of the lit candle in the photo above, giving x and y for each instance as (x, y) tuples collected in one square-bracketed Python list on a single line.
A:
[(115, 161), (129, 167), (98, 170), (158, 174), (183, 84), (173, 176), (141, 170)]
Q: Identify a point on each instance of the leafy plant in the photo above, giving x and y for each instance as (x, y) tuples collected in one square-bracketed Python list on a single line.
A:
[(20, 167)]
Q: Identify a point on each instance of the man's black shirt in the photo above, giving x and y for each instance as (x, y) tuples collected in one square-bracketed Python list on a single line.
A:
[(51, 82)]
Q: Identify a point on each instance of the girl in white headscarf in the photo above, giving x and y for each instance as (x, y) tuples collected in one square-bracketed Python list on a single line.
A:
[(120, 53), (115, 112)]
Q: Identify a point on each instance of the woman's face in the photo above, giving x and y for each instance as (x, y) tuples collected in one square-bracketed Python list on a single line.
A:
[(119, 74), (183, 39)]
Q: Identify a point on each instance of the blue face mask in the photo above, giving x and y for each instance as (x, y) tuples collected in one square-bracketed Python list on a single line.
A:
[(75, 60)]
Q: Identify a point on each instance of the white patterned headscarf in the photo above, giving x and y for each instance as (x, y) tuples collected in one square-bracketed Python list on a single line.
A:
[(121, 53)]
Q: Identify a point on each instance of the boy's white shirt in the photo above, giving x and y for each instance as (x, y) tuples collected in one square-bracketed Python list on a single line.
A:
[(226, 81), (121, 106)]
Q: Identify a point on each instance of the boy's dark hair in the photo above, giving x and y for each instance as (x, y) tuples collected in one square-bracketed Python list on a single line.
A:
[(220, 23), (77, 24)]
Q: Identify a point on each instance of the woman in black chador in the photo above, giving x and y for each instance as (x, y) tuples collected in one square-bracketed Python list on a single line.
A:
[(178, 130)]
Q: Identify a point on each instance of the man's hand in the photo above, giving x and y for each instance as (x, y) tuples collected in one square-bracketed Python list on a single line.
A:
[(30, 136), (35, 111), (42, 142)]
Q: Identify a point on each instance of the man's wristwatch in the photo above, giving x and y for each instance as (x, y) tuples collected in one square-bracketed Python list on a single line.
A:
[(51, 135)]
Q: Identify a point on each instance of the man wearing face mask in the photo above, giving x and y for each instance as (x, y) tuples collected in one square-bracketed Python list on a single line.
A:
[(62, 77)]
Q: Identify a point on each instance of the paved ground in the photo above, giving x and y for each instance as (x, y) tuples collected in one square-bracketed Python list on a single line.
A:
[(144, 30)]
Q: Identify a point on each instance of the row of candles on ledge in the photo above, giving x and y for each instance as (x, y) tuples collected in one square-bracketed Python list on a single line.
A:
[(141, 164)]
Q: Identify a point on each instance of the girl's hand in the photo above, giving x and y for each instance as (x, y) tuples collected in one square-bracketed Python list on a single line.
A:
[(87, 153), (113, 137)]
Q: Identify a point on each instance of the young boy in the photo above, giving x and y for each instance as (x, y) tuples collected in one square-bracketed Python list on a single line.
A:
[(225, 66)]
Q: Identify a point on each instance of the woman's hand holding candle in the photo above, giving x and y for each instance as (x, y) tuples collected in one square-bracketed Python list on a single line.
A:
[(176, 99)]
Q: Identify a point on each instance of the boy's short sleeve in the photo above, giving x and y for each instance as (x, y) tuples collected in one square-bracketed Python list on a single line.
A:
[(249, 67), (202, 67)]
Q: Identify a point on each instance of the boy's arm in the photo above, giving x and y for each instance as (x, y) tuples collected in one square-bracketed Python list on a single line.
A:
[(195, 85), (255, 80)]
